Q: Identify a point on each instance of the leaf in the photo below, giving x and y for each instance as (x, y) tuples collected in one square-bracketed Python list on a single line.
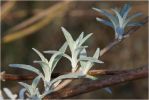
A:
[(134, 24), (46, 69), (27, 67), (54, 60), (35, 82), (87, 65), (125, 10), (27, 87), (108, 23), (120, 19), (108, 90), (68, 37), (91, 77), (79, 38), (21, 93), (131, 17), (91, 59), (85, 38), (51, 51), (10, 94), (40, 55), (108, 15), (64, 47)]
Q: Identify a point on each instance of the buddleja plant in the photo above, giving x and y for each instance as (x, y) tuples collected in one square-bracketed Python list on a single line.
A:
[(80, 62)]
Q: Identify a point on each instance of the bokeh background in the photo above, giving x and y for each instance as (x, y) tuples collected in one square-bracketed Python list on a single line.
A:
[(76, 16)]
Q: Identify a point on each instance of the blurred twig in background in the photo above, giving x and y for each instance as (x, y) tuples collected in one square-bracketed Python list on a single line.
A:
[(47, 15), (6, 8)]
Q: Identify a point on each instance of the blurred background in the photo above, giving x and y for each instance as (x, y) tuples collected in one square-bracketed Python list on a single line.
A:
[(28, 24)]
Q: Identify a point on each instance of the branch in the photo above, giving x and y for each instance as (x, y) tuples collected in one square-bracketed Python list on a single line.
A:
[(12, 77), (129, 75)]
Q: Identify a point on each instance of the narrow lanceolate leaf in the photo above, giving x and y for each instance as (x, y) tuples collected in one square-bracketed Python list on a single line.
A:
[(134, 24), (69, 38), (96, 54), (35, 82), (46, 69), (91, 77), (51, 51), (54, 60), (27, 87), (88, 65), (108, 90), (108, 15), (125, 10), (79, 38), (85, 38), (10, 94), (22, 93), (120, 19), (131, 17), (64, 47), (40, 55), (108, 23), (91, 59), (27, 67)]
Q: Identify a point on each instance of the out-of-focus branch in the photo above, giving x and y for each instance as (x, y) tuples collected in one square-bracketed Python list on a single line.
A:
[(5, 76), (55, 11), (6, 8), (129, 75)]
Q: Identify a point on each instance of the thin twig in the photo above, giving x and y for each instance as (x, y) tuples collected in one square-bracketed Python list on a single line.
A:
[(6, 8), (55, 10), (12, 77), (129, 75)]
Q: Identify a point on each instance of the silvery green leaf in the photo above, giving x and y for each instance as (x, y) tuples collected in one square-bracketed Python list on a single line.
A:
[(79, 38), (134, 24), (21, 93), (108, 90), (131, 17), (27, 87), (108, 23), (64, 47), (86, 66), (120, 19), (125, 10), (91, 77), (54, 60), (27, 67), (40, 55), (126, 13), (91, 59), (108, 15), (51, 51), (10, 94), (85, 38), (35, 82), (1, 96), (69, 38), (46, 69)]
